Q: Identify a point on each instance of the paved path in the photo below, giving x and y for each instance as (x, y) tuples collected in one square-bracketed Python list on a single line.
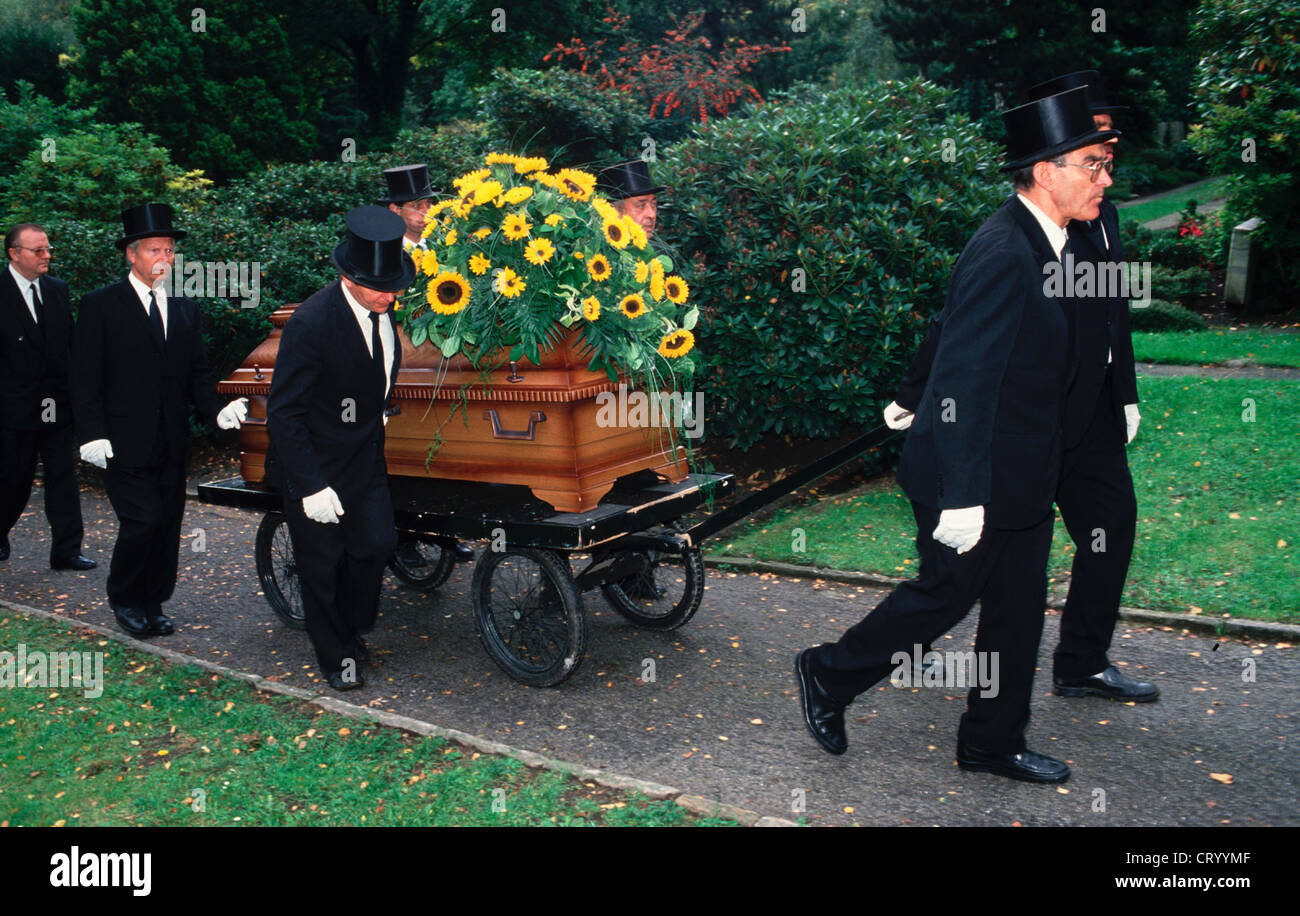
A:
[(720, 720), (1225, 371)]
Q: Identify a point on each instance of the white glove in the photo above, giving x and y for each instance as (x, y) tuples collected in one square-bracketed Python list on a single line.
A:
[(1131, 420), (233, 414), (896, 417), (323, 507), (97, 452), (385, 419), (960, 529)]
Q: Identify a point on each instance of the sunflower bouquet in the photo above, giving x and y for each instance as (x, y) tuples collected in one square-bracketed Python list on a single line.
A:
[(522, 255)]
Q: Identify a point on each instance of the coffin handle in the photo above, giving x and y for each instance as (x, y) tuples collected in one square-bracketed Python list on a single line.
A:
[(499, 432)]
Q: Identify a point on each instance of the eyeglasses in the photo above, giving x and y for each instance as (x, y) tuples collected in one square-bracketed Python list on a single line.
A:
[(43, 250), (1093, 170)]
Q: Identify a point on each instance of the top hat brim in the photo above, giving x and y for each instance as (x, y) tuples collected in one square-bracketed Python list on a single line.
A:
[(404, 199), (393, 283), (636, 192), (150, 234), (1057, 149)]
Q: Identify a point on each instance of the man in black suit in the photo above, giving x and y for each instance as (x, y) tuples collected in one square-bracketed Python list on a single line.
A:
[(35, 407), (1095, 494), (981, 462), (138, 365), (338, 360)]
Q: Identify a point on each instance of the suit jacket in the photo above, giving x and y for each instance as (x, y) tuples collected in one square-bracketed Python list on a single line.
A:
[(123, 382), (34, 360), (988, 427), (326, 406)]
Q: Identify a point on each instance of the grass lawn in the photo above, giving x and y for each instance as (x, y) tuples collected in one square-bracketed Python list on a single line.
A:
[(174, 745), (1218, 507), (1174, 203), (1193, 348)]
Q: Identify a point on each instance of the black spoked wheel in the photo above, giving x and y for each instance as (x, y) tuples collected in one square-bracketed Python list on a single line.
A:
[(665, 595), (529, 615), (422, 566), (278, 571)]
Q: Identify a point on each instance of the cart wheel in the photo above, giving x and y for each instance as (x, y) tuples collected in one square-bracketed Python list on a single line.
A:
[(423, 566), (663, 597), (278, 571), (529, 615)]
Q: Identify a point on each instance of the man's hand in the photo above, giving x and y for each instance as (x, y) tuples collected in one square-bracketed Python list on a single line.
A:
[(960, 529), (1131, 420), (896, 417), (233, 414), (323, 507), (97, 452)]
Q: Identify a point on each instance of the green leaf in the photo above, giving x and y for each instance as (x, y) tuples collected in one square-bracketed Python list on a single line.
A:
[(692, 316), (450, 346), (419, 336)]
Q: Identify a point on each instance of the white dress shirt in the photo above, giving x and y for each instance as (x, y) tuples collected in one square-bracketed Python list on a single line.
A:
[(25, 287), (1055, 234), (159, 293), (386, 337)]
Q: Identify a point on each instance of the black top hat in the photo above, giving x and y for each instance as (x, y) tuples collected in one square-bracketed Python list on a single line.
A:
[(407, 182), (372, 254), (1047, 128), (147, 221), (1088, 78), (628, 179)]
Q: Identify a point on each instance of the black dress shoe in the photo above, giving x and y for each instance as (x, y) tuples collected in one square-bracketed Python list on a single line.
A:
[(1025, 766), (133, 620), (4, 548), (79, 562), (338, 682), (463, 552), (823, 716), (159, 623), (1110, 684)]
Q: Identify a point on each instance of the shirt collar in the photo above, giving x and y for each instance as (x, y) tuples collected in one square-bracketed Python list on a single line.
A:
[(143, 291), (22, 281), (1055, 234)]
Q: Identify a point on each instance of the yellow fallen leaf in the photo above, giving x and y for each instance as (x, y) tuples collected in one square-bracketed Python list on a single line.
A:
[(344, 732), (1225, 778)]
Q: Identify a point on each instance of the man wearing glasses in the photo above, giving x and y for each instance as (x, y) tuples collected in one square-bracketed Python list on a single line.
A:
[(982, 461), (1095, 495), (35, 407)]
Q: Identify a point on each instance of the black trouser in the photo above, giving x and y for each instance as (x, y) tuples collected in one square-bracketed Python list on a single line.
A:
[(57, 448), (341, 568), (150, 505), (1007, 573), (1099, 509)]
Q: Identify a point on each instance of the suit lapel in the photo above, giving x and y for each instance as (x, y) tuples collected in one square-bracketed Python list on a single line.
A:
[(1044, 254), (16, 305)]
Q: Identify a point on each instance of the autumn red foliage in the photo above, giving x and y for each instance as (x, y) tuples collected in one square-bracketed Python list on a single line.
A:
[(680, 72)]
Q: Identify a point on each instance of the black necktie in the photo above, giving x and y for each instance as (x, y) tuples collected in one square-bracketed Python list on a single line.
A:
[(39, 305), (155, 320), (377, 349)]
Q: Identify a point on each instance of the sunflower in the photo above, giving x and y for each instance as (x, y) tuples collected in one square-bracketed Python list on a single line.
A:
[(575, 184), (657, 279), (635, 232), (451, 238), (470, 180), (539, 251), (530, 164), (605, 209), (616, 234), (479, 264), (482, 233), (599, 268), (675, 289), (518, 195), (484, 192), (676, 344), (461, 207), (509, 283), (448, 293), (633, 306), (428, 262), (500, 158), (516, 226), (554, 219), (591, 308), (642, 271)]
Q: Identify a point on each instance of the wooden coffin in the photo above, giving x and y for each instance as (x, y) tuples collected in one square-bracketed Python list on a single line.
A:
[(527, 424)]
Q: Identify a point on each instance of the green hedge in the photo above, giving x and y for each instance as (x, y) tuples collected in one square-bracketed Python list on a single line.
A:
[(1160, 315), (870, 192)]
